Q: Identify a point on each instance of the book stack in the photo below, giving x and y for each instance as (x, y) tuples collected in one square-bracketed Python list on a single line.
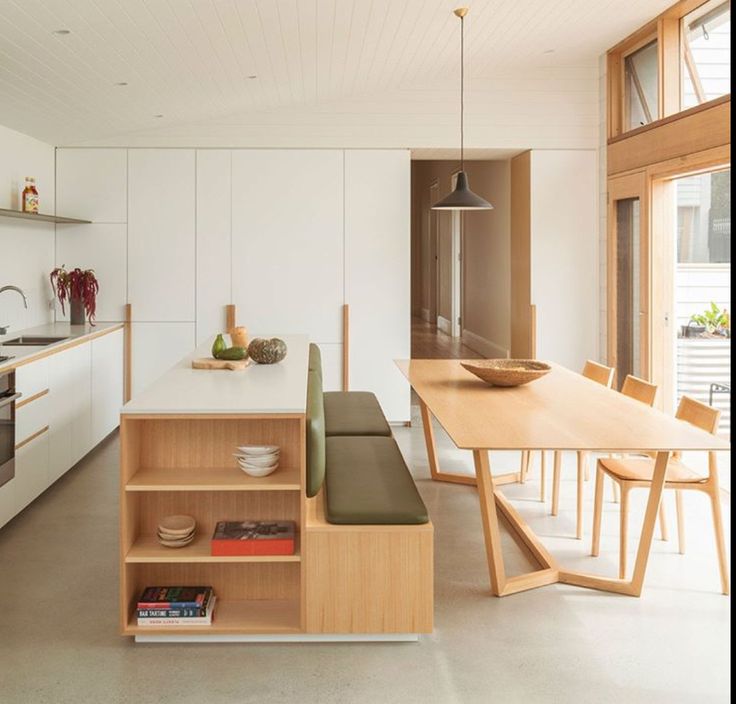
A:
[(176, 606), (234, 538)]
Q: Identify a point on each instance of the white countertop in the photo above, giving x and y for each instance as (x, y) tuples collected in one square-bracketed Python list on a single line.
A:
[(70, 333), (259, 388)]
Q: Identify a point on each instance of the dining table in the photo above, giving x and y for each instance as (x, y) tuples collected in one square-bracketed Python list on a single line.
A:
[(562, 410)]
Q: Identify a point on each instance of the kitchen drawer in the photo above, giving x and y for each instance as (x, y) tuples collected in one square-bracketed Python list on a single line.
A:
[(31, 417), (31, 470), (7, 502), (32, 378)]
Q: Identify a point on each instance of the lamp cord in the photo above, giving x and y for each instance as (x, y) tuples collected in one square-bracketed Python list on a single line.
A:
[(462, 93)]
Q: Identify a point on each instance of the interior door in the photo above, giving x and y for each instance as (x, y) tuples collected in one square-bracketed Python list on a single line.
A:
[(628, 277)]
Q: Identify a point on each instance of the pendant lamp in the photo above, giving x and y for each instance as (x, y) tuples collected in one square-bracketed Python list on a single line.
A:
[(462, 198)]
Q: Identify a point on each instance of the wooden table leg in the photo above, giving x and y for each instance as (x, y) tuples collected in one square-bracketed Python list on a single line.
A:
[(633, 587), (490, 521), (434, 468)]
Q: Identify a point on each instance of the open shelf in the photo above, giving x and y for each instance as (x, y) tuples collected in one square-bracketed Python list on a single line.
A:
[(147, 549), (212, 479), (233, 616), (41, 217)]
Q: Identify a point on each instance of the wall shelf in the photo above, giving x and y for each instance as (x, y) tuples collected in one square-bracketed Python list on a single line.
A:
[(41, 217)]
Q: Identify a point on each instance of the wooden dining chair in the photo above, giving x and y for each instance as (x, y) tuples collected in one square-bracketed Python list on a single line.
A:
[(602, 375), (632, 472)]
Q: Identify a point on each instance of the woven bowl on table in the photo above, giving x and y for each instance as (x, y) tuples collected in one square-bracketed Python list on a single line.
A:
[(507, 372)]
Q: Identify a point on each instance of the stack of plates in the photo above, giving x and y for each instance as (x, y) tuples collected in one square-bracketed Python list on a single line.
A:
[(176, 531), (258, 460)]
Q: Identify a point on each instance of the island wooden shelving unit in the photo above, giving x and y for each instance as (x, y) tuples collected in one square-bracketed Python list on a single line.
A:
[(183, 463)]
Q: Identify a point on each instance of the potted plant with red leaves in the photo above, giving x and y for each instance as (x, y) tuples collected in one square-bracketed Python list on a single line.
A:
[(80, 288)]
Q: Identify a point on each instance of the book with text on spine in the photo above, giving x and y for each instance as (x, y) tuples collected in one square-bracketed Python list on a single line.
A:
[(177, 612), (173, 597), (205, 620)]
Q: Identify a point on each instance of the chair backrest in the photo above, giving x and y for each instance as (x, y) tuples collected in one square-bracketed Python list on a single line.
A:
[(599, 372), (698, 414), (639, 389)]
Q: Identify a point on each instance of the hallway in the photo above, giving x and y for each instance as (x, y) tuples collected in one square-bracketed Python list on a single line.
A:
[(427, 342)]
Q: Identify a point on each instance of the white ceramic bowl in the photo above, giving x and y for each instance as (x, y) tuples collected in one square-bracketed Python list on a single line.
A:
[(260, 461), (258, 471), (258, 449)]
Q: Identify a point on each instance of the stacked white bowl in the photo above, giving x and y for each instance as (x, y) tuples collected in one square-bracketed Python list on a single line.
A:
[(258, 460)]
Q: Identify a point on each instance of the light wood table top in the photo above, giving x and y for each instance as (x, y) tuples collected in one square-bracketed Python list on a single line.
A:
[(561, 411)]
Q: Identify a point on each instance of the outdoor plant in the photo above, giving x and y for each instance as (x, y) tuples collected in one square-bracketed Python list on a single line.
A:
[(715, 320), (77, 285)]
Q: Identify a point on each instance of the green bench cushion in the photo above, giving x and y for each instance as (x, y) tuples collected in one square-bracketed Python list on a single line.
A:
[(315, 434), (315, 359), (354, 413), (368, 482)]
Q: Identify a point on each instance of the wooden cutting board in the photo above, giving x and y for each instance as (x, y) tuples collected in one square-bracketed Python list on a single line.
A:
[(212, 363)]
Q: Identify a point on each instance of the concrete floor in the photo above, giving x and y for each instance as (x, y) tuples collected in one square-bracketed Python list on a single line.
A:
[(59, 633)]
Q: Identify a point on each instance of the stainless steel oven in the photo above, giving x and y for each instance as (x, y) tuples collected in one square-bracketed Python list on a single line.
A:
[(7, 426)]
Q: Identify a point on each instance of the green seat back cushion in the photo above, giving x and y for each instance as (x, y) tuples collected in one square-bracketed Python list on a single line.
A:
[(315, 434), (354, 413), (368, 482), (315, 359)]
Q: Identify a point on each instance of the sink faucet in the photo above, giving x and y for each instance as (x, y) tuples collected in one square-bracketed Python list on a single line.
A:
[(19, 291)]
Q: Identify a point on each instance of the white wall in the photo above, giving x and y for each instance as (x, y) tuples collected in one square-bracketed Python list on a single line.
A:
[(26, 248), (564, 226), (181, 233)]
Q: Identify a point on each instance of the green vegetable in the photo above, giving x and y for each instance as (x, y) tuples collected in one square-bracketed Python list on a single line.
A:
[(218, 346), (234, 353)]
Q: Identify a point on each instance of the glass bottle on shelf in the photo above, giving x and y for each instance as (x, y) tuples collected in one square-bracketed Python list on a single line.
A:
[(30, 196)]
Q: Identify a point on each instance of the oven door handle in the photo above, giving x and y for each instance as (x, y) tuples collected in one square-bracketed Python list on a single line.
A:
[(5, 400)]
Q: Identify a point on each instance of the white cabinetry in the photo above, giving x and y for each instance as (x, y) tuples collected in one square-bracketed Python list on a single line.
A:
[(7, 502), (60, 414), (156, 348), (107, 384), (72, 401), (214, 211), (377, 279), (287, 251), (161, 243), (79, 405), (92, 184), (31, 470)]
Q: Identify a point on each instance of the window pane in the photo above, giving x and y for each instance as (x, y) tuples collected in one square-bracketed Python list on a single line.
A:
[(706, 71), (641, 87), (704, 218)]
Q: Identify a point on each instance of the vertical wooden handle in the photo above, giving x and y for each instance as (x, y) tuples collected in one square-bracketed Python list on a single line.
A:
[(345, 347), (229, 317), (128, 354)]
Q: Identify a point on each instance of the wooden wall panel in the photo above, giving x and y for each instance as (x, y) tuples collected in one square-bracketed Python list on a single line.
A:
[(694, 130), (522, 322)]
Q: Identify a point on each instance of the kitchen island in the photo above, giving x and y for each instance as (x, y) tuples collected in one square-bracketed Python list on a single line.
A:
[(345, 580), (177, 443)]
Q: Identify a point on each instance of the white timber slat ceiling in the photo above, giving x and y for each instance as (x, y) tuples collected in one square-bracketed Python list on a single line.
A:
[(307, 72)]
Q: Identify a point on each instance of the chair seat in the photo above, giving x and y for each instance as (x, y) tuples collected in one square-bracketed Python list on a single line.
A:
[(641, 469), (354, 413)]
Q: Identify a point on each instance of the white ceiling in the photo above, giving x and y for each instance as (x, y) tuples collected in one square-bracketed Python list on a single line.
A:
[(329, 72)]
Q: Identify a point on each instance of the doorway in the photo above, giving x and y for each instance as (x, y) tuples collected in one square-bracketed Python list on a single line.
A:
[(628, 277), (700, 364)]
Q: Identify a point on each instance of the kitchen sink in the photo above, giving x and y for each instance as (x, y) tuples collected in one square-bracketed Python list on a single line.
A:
[(32, 341)]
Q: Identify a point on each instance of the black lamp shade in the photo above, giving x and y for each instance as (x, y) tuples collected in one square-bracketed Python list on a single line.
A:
[(462, 198)]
